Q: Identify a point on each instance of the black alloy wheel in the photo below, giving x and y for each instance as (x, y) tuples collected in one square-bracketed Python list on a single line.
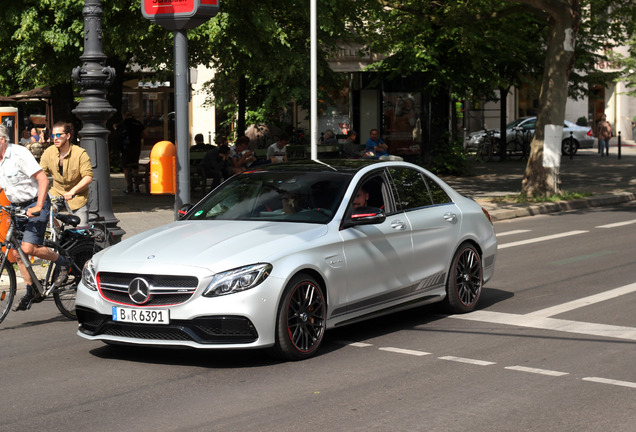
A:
[(301, 319), (465, 280)]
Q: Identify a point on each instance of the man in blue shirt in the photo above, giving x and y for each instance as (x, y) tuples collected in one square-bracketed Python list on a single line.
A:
[(376, 145)]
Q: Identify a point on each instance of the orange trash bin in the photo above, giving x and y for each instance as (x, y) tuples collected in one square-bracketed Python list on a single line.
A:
[(163, 173)]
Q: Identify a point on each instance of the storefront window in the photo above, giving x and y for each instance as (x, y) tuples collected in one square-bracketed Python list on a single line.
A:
[(402, 124), (154, 108)]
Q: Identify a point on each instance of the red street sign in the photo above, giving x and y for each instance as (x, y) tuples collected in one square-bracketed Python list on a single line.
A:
[(179, 14)]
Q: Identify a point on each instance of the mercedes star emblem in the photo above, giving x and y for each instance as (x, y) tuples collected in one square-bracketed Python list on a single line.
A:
[(139, 291)]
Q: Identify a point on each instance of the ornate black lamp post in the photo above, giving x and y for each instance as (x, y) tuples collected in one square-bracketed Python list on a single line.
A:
[(94, 109)]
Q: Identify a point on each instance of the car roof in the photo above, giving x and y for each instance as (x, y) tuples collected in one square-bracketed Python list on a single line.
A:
[(350, 166)]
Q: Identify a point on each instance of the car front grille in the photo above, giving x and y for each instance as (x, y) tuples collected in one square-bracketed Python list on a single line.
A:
[(203, 330), (164, 290)]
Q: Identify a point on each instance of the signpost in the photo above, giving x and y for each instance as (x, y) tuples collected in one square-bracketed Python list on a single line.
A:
[(179, 16)]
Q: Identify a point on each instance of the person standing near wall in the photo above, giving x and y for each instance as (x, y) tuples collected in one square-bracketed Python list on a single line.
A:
[(130, 131), (604, 133)]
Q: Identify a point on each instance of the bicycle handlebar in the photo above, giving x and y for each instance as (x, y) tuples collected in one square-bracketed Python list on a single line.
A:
[(18, 211)]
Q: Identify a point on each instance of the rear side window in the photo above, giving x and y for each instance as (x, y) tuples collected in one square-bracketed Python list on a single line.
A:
[(438, 195), (411, 190)]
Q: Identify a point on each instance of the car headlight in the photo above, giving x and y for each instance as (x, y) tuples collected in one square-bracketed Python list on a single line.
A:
[(88, 275), (237, 280)]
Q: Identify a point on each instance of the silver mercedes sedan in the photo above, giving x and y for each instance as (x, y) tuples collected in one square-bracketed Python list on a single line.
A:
[(276, 256)]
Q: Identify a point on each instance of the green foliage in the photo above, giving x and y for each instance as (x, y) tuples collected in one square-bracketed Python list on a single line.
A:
[(474, 46), (42, 40), (267, 43), (448, 159), (628, 63)]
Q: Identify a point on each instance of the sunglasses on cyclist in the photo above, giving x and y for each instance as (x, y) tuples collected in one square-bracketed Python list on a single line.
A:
[(57, 135)]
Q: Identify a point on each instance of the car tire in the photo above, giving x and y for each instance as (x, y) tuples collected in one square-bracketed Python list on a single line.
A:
[(301, 319), (566, 146), (465, 280)]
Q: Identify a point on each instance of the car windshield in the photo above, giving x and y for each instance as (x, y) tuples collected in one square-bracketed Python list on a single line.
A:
[(275, 196)]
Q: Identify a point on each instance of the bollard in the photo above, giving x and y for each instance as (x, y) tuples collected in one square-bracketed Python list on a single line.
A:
[(619, 144), (571, 145)]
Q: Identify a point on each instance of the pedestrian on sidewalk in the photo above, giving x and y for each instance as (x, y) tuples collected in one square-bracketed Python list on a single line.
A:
[(130, 133), (604, 133)]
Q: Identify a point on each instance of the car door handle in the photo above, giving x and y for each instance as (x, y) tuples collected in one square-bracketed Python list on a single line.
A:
[(398, 225), (450, 217)]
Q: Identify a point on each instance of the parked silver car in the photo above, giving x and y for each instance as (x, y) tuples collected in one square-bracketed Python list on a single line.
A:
[(276, 256), (583, 136)]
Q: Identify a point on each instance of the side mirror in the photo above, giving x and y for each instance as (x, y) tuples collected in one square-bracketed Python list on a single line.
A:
[(184, 210), (364, 216)]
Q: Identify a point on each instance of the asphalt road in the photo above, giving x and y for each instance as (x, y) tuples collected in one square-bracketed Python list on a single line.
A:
[(550, 349)]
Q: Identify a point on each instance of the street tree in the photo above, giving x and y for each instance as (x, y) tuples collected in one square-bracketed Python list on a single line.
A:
[(260, 52), (461, 49), (42, 41), (468, 47), (568, 22)]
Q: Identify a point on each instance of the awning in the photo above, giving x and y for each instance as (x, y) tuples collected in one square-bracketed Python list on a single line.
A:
[(6, 99), (35, 94)]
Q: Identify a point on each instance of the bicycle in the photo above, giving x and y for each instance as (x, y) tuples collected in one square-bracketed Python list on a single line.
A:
[(486, 147), (519, 147), (76, 245)]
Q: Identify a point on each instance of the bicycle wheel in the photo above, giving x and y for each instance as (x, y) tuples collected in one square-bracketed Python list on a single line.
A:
[(64, 295), (8, 286), (484, 151), (515, 149)]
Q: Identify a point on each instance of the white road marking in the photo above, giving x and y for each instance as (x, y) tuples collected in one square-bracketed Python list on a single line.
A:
[(354, 344), (514, 232), (541, 319), (611, 381), (617, 224), (467, 360), (404, 351), (543, 323), (536, 371), (540, 239), (585, 301)]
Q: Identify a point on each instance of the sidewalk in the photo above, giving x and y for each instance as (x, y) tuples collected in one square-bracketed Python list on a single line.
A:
[(610, 181)]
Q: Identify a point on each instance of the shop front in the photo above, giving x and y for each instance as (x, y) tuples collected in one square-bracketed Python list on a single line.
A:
[(152, 103)]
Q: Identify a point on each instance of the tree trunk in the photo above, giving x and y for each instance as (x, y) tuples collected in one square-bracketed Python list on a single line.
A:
[(564, 19)]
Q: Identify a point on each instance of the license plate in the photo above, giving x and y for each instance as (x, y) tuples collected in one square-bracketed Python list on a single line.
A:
[(141, 316)]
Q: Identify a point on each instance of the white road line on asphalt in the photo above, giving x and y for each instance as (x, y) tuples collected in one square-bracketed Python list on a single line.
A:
[(617, 224), (536, 371), (512, 233), (355, 344), (610, 381), (585, 301), (542, 323), (540, 239), (404, 351), (467, 360)]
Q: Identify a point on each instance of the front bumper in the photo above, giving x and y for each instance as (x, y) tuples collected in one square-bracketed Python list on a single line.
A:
[(242, 320), (198, 331)]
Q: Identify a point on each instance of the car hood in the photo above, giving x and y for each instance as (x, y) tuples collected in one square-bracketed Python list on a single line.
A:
[(214, 245)]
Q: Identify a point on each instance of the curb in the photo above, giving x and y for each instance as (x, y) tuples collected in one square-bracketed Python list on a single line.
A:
[(499, 214)]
